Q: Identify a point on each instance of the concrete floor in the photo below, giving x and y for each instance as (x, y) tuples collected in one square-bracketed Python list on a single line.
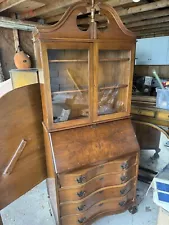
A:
[(34, 209)]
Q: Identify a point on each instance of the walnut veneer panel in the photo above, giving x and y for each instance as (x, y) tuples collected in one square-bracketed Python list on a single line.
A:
[(90, 145), (114, 204), (104, 180), (75, 207), (81, 176), (20, 118)]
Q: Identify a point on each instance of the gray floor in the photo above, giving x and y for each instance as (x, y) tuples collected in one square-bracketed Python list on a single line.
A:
[(34, 208)]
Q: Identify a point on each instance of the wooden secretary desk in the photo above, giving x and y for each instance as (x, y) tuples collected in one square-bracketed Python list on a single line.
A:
[(92, 153)]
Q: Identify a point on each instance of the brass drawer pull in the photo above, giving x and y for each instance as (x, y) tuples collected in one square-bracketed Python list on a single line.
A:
[(81, 194), (101, 192), (123, 191), (82, 220), (125, 165), (124, 178), (102, 178), (122, 203), (81, 208), (81, 179)]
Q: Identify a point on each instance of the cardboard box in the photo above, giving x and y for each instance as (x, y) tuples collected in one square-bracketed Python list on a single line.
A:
[(163, 217)]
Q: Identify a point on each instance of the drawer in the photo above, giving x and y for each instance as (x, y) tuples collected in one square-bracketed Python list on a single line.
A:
[(162, 115), (76, 207), (82, 176), (114, 205), (143, 112), (101, 181)]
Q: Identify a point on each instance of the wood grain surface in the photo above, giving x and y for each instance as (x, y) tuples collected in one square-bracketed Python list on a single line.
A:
[(86, 146), (20, 118)]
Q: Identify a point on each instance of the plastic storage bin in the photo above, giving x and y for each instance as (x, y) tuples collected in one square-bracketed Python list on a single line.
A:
[(162, 100), (161, 188)]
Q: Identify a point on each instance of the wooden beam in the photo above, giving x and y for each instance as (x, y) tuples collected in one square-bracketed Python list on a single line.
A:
[(63, 4), (154, 33), (149, 22), (17, 24), (157, 34), (16, 36), (116, 3), (59, 4), (149, 27), (163, 29), (7, 4), (144, 8), (132, 10), (146, 15)]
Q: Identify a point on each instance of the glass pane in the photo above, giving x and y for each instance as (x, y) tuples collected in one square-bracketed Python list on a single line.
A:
[(113, 80), (69, 84)]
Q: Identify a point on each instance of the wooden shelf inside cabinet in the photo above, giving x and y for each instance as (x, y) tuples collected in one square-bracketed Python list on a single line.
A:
[(85, 60), (114, 60), (85, 90)]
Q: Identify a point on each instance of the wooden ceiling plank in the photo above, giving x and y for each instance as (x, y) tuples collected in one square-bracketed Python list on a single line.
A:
[(7, 4), (63, 3), (146, 15), (48, 8), (160, 25), (154, 34), (162, 29), (149, 22), (116, 3), (144, 8), (133, 10)]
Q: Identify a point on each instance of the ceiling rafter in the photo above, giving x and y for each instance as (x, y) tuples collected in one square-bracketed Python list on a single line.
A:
[(155, 30), (149, 22), (63, 4), (48, 8), (7, 4), (149, 27), (144, 8), (146, 15), (132, 10)]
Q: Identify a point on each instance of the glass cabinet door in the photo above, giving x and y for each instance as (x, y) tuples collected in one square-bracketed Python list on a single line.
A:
[(69, 83), (114, 70)]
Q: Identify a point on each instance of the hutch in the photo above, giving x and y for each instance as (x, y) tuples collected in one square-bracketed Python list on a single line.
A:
[(85, 71)]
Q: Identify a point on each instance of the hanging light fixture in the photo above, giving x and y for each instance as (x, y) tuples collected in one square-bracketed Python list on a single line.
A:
[(136, 0)]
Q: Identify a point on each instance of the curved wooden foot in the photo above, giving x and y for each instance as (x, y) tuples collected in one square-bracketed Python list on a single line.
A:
[(133, 209)]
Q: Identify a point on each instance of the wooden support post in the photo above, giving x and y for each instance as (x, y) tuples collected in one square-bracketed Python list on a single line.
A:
[(15, 158), (16, 36)]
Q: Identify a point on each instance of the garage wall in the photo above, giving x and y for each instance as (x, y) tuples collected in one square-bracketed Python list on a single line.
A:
[(7, 49)]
